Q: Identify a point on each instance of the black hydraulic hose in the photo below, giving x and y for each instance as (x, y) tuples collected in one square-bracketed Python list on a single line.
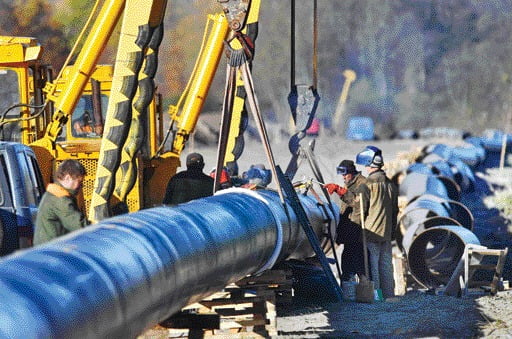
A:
[(116, 135), (138, 126)]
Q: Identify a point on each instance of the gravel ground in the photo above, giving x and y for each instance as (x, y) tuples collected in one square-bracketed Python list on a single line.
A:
[(415, 314)]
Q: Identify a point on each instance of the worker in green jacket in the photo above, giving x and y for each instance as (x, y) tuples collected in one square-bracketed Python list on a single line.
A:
[(380, 209), (58, 212)]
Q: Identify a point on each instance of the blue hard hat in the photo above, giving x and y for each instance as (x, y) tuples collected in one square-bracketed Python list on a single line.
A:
[(371, 156), (259, 174)]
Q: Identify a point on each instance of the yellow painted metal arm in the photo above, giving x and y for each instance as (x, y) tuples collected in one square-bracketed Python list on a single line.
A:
[(186, 118), (84, 66)]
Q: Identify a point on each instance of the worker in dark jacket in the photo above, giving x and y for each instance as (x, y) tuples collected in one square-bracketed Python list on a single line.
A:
[(58, 212), (189, 184), (380, 208), (349, 229)]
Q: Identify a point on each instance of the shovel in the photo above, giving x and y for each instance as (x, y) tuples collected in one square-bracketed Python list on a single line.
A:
[(365, 290)]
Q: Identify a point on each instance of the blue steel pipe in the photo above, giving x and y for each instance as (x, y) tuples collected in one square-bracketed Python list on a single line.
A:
[(421, 225), (428, 205), (125, 274), (462, 173), (448, 242), (416, 184), (422, 169)]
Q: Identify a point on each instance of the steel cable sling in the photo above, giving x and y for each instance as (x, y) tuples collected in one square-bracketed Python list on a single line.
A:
[(239, 62)]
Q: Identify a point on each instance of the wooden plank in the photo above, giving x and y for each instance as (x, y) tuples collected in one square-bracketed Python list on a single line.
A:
[(192, 320), (487, 251), (228, 312), (239, 335), (269, 277), (399, 272), (262, 286), (233, 323), (486, 267), (499, 269), (233, 301)]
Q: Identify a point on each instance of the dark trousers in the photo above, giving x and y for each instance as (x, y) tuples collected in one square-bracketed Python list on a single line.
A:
[(352, 260)]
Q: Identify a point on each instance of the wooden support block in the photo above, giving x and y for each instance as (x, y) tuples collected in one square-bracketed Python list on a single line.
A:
[(400, 272), (192, 320), (473, 256), (245, 309)]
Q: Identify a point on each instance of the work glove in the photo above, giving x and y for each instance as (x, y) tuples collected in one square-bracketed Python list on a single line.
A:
[(334, 188)]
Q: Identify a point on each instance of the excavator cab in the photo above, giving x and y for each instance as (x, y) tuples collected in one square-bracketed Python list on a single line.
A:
[(87, 120), (10, 93), (23, 77)]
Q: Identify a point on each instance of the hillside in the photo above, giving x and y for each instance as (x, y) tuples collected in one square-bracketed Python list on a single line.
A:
[(418, 64)]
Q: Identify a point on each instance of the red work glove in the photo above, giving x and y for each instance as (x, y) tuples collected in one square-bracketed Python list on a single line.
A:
[(331, 188)]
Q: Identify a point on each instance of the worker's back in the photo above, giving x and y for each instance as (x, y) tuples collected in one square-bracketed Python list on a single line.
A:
[(188, 185)]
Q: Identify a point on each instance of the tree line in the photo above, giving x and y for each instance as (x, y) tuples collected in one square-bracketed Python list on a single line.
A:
[(423, 63)]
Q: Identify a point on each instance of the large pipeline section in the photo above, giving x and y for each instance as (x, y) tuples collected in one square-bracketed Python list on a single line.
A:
[(436, 252), (125, 274)]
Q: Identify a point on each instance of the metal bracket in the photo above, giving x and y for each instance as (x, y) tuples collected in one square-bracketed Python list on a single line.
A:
[(236, 12), (302, 217), (303, 101)]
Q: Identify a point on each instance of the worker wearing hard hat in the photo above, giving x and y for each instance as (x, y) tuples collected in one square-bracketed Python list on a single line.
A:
[(380, 208), (257, 176), (348, 231)]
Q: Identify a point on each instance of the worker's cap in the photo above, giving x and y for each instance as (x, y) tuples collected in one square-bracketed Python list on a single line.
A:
[(371, 156), (195, 160), (258, 166), (346, 167)]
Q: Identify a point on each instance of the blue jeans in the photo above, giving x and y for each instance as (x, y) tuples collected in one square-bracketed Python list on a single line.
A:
[(381, 265)]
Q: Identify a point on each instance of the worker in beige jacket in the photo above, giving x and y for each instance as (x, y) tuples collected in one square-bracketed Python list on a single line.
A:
[(380, 208)]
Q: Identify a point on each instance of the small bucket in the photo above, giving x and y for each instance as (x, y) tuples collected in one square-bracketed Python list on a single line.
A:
[(349, 290)]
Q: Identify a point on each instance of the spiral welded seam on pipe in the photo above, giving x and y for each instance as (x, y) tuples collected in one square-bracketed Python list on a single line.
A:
[(127, 273)]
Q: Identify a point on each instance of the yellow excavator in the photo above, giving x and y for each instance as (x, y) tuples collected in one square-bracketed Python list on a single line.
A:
[(109, 118), (29, 101)]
